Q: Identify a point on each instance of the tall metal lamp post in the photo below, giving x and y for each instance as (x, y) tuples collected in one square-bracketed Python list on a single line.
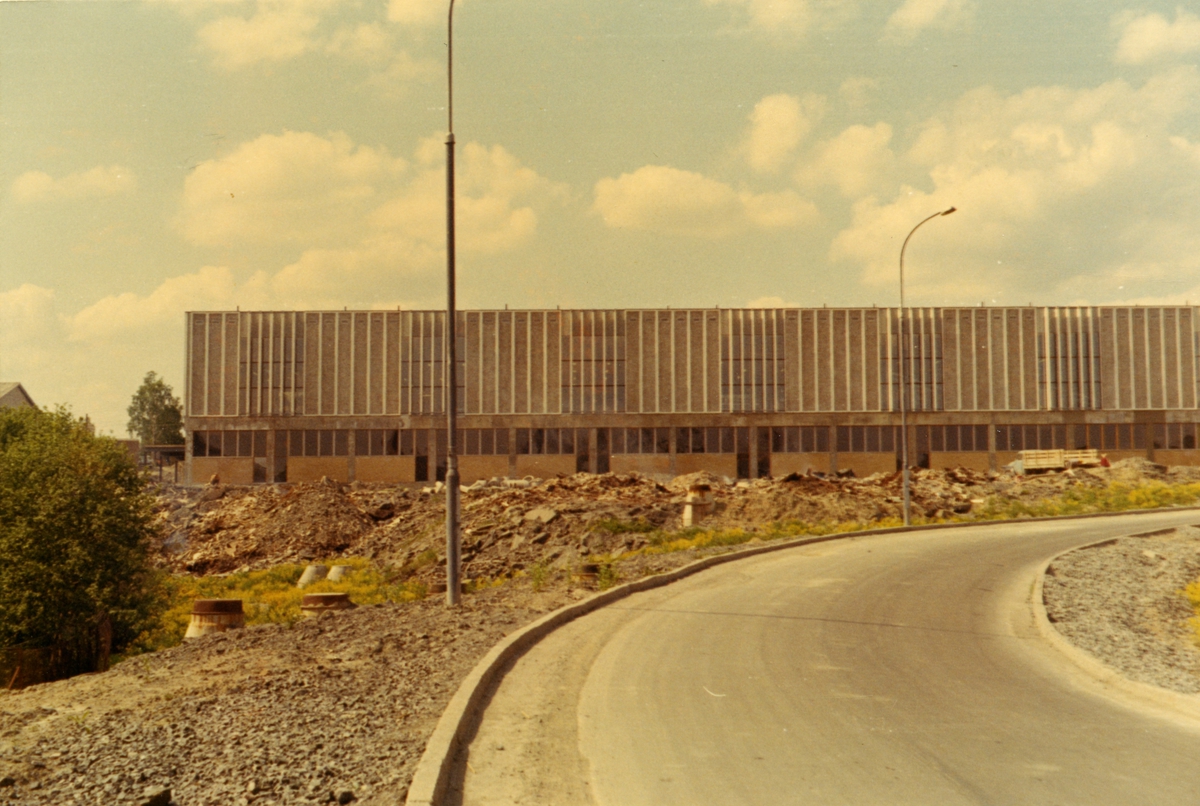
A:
[(903, 378), (453, 554)]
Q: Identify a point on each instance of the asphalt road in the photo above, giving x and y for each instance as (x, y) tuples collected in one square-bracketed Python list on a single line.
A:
[(893, 669)]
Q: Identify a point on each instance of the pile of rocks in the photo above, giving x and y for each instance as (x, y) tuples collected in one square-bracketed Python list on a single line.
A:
[(512, 523)]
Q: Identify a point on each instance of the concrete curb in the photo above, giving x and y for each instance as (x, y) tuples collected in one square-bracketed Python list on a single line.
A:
[(1113, 681), (432, 776)]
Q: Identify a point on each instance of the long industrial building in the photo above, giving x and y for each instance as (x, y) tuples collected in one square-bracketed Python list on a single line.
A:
[(360, 395)]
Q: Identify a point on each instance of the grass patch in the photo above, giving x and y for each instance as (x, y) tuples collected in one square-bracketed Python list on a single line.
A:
[(269, 596), (607, 576), (1116, 497), (539, 573)]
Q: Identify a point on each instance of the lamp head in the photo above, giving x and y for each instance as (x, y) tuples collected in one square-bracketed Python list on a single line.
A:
[(951, 210)]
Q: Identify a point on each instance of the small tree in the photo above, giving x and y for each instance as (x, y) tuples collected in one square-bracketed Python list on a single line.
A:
[(155, 414), (74, 526)]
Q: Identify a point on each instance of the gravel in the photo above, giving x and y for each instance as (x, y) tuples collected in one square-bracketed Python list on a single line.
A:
[(334, 709), (1124, 602)]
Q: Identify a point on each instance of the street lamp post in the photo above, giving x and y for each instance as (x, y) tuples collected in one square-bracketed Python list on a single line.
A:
[(903, 366), (453, 585)]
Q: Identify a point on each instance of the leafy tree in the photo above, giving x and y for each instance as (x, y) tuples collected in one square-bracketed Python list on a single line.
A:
[(74, 525), (155, 415)]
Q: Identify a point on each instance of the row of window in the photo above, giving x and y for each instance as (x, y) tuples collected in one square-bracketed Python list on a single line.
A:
[(229, 443), (783, 439)]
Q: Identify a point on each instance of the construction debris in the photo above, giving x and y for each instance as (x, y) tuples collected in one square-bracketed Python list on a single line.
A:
[(510, 524)]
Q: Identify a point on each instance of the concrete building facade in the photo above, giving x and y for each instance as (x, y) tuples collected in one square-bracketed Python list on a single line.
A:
[(296, 395)]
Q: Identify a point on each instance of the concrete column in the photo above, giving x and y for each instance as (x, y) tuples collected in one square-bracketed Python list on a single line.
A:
[(754, 451), (833, 448), (512, 453)]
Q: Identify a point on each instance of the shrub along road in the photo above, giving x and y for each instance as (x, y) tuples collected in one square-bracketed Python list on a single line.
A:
[(893, 669)]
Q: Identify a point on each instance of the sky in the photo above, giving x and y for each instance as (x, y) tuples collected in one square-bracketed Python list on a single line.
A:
[(158, 157)]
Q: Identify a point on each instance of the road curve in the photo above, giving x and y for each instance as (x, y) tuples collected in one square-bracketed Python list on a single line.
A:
[(889, 669)]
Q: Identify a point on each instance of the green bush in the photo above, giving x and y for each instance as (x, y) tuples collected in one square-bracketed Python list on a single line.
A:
[(74, 524)]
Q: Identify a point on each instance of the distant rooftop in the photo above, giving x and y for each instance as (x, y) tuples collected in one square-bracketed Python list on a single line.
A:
[(13, 395)]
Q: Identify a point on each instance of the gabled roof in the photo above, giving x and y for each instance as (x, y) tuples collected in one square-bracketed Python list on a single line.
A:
[(13, 395)]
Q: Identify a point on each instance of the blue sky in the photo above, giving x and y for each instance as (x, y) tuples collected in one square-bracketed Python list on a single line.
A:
[(157, 157)]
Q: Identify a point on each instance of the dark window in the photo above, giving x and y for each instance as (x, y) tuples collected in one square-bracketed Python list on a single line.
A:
[(260, 446), (779, 439), (662, 440), (551, 440), (406, 443), (683, 440), (522, 441), (602, 452), (199, 443)]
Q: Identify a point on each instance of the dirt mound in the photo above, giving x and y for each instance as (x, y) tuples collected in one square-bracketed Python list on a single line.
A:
[(1134, 470), (229, 527), (511, 525)]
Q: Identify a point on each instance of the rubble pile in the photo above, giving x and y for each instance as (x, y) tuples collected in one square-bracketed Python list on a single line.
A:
[(509, 524), (223, 528)]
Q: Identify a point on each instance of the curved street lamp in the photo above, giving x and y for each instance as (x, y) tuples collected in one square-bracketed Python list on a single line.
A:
[(453, 554), (903, 366)]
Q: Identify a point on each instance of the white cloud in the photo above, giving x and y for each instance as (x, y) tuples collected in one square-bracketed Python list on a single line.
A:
[(856, 161), (1148, 37), (793, 16), (494, 198), (276, 32), (119, 315), (37, 186), (294, 187), (280, 30), (1034, 176), (777, 126), (915, 16), (662, 199), (362, 218)]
